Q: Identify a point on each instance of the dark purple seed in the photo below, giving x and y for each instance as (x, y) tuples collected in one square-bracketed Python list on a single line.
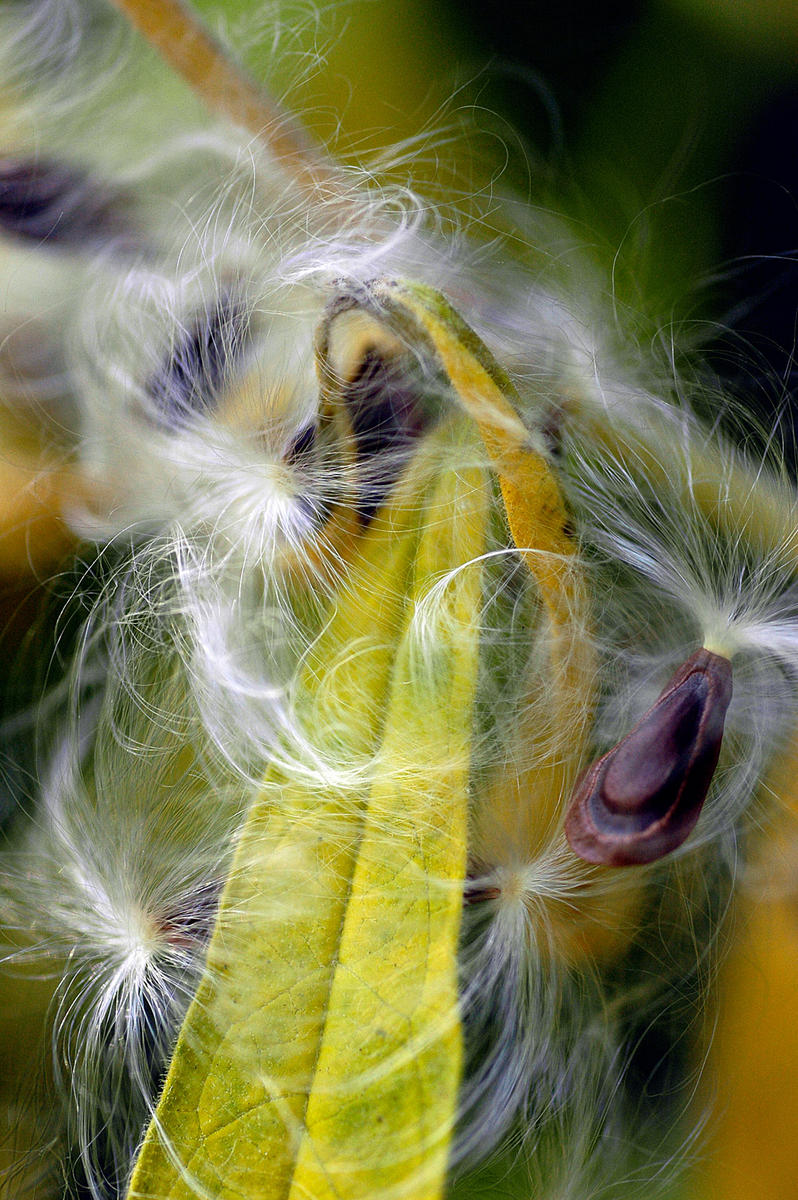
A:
[(191, 924), (201, 360), (477, 893), (303, 444), (60, 205), (642, 799), (387, 412)]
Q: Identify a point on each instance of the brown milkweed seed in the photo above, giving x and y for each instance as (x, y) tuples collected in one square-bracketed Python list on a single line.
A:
[(642, 799)]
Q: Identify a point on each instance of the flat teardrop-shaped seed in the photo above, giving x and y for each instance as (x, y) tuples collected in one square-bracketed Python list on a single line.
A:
[(642, 799)]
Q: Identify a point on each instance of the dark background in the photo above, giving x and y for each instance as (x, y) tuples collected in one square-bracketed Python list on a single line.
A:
[(673, 130), (666, 131)]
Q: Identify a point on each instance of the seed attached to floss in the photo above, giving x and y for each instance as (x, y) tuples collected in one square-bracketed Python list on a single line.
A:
[(643, 798)]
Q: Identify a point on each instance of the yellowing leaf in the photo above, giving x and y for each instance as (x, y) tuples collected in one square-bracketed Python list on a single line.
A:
[(532, 797), (382, 1109), (232, 1117)]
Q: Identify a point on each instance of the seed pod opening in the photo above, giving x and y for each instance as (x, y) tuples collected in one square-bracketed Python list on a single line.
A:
[(643, 798)]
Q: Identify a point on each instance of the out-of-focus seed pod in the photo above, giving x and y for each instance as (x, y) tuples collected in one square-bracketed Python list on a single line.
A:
[(642, 799), (56, 204)]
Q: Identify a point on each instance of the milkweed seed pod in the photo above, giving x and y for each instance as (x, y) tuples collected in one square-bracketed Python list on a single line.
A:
[(422, 678)]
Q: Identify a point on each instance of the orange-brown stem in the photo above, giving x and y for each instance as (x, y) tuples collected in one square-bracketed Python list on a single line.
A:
[(182, 40)]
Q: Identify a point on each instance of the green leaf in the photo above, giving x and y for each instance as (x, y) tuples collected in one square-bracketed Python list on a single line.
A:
[(321, 1055)]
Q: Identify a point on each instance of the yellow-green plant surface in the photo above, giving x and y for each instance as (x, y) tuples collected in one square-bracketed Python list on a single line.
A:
[(322, 1053)]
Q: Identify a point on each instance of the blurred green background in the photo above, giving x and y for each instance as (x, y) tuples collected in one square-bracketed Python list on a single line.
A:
[(627, 105), (667, 130)]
